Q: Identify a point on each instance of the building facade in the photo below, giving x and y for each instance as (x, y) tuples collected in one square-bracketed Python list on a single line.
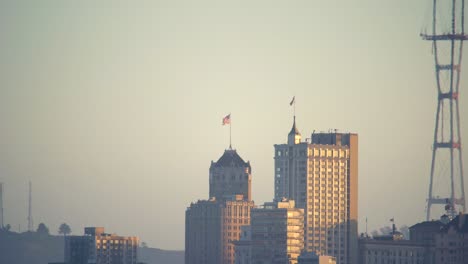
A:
[(230, 175), (277, 233), (312, 258), (388, 251), (322, 177), (392, 248), (243, 247), (451, 243), (203, 232), (98, 247), (212, 226)]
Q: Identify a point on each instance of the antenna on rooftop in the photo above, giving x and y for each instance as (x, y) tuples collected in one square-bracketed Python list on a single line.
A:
[(30, 220), (1, 206)]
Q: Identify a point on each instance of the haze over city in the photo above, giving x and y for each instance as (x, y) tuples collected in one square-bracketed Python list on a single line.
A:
[(113, 110)]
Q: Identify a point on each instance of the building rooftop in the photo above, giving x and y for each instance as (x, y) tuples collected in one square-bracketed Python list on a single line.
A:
[(230, 158), (459, 223), (294, 130), (436, 224)]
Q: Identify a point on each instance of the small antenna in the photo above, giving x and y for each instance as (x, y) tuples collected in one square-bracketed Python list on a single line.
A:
[(30, 220), (1, 206), (366, 227)]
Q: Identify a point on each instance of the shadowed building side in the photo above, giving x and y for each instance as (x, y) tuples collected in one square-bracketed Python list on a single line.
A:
[(203, 233)]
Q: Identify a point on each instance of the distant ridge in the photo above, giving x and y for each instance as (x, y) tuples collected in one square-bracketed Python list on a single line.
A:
[(35, 248)]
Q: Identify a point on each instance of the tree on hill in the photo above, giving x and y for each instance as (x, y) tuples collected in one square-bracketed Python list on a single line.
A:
[(64, 229), (42, 229)]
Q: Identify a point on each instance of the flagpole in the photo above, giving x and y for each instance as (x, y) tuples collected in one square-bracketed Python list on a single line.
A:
[(230, 130), (294, 107)]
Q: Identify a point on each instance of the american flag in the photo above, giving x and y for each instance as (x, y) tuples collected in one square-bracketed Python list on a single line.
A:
[(227, 120), (292, 101)]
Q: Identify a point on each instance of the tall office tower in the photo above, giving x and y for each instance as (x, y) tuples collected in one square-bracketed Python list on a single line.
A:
[(322, 177), (211, 226), (98, 247), (277, 233), (230, 175)]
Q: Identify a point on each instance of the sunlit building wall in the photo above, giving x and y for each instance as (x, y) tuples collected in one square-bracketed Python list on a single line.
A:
[(321, 175), (277, 233), (98, 247)]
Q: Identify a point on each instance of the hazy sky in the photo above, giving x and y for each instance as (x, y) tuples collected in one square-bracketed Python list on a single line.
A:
[(113, 109)]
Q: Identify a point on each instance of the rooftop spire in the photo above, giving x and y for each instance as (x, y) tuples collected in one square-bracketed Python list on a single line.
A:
[(294, 130), (294, 136)]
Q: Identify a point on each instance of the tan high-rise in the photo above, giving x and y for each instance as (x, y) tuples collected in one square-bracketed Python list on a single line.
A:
[(212, 226), (322, 176)]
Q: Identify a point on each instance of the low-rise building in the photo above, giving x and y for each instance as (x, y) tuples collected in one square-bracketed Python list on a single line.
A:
[(277, 233), (98, 247), (312, 258), (377, 251), (243, 247), (451, 243)]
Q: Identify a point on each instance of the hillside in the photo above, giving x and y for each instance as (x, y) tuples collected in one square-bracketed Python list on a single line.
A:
[(34, 248)]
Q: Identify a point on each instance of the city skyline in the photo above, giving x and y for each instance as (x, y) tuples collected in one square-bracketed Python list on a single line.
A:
[(129, 100)]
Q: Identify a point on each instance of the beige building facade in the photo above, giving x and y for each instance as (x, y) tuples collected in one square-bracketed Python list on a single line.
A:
[(98, 247), (312, 258), (321, 175), (277, 233), (211, 226)]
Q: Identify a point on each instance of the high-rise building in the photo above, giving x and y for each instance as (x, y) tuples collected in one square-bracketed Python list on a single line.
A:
[(230, 175), (277, 233), (98, 247), (322, 177), (211, 226)]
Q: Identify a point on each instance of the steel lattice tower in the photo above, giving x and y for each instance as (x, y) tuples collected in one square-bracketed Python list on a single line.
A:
[(446, 180)]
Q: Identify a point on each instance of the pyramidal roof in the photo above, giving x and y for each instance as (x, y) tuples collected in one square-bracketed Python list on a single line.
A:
[(230, 158), (294, 130)]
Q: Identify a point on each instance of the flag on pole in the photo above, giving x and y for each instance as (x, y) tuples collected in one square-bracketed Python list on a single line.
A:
[(292, 101), (227, 120)]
